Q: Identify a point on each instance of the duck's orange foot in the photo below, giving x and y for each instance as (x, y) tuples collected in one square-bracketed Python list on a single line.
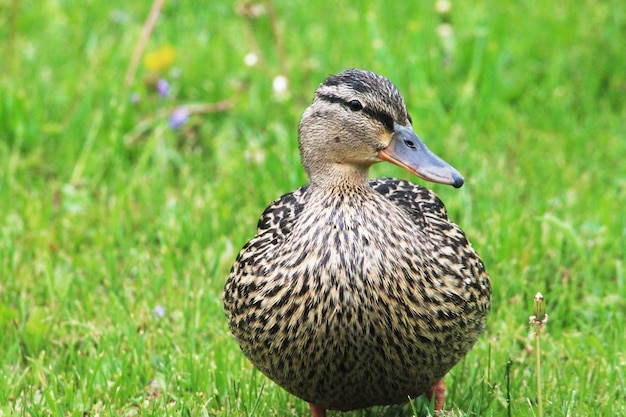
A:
[(317, 411), (438, 391)]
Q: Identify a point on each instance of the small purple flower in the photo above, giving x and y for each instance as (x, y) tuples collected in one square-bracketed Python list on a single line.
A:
[(178, 117), (158, 311), (163, 87)]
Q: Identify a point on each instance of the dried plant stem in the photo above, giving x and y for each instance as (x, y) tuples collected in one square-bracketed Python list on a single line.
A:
[(539, 320), (11, 39), (538, 360), (278, 36), (508, 387), (146, 31), (194, 108)]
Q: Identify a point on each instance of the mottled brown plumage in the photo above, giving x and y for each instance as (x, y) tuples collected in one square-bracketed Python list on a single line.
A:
[(358, 292)]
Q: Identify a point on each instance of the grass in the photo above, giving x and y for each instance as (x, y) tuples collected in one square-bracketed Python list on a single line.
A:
[(117, 232)]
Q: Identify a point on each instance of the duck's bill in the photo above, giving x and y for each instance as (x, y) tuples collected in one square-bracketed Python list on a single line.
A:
[(408, 151)]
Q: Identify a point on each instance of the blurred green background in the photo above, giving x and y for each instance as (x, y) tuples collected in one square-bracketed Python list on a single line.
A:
[(124, 203)]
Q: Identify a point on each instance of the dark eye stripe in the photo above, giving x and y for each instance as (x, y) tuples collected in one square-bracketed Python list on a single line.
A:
[(383, 117), (331, 99)]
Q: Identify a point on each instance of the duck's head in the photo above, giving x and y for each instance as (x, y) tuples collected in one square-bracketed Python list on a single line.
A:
[(357, 119)]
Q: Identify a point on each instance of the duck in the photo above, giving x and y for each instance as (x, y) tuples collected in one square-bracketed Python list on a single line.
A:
[(358, 292)]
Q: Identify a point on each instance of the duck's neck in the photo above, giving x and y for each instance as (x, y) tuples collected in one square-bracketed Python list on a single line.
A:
[(339, 176)]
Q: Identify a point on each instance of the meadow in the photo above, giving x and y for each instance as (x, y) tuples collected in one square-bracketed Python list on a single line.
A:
[(125, 194)]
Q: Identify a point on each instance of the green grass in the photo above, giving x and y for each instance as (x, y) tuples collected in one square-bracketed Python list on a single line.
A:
[(117, 232)]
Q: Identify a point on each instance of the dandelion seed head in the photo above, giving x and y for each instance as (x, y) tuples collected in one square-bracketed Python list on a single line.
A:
[(251, 59), (443, 6), (280, 84)]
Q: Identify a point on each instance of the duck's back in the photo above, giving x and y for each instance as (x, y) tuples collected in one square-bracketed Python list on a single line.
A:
[(352, 302)]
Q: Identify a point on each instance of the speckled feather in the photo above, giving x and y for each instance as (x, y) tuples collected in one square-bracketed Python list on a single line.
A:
[(338, 322), (355, 293)]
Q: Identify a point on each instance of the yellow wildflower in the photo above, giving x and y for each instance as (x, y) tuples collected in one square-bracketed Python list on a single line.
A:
[(161, 59)]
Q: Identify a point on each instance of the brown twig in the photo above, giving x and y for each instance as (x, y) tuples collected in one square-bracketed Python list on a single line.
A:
[(10, 46), (278, 36), (146, 31), (194, 108), (249, 14)]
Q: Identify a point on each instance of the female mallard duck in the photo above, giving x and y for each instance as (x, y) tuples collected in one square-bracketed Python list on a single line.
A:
[(357, 293)]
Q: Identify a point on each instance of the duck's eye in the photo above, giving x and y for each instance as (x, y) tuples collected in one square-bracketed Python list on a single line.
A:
[(355, 105), (410, 144)]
